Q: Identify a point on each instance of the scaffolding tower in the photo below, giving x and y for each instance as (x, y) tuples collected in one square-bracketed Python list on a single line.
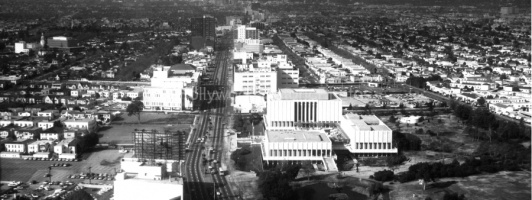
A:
[(159, 145)]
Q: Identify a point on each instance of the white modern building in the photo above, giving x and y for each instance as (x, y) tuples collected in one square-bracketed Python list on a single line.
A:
[(136, 178), (249, 104), (296, 145), (246, 33), (287, 73), (252, 79), (368, 135), (168, 92), (289, 109)]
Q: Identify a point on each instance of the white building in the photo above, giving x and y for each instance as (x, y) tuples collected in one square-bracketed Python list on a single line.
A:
[(48, 113), (20, 47), (40, 146), (63, 147), (50, 135), (368, 135), (296, 146), (133, 182), (20, 146), (26, 122), (287, 73), (250, 79), (244, 56), (304, 108), (169, 92), (82, 124), (249, 104), (247, 33)]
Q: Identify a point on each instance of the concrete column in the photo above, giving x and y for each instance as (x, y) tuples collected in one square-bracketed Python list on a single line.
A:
[(309, 105), (304, 111)]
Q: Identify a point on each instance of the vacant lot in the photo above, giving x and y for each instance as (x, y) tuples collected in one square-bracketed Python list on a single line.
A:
[(498, 186)]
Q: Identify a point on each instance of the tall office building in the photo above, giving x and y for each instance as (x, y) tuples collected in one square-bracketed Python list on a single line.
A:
[(247, 33), (169, 91), (203, 32)]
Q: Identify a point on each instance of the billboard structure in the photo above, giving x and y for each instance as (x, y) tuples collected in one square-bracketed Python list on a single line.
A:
[(159, 145)]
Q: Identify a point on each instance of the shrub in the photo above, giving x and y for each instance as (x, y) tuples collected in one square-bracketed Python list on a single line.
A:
[(453, 196), (385, 175), (395, 160)]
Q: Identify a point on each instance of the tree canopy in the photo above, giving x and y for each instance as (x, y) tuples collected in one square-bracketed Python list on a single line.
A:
[(135, 108)]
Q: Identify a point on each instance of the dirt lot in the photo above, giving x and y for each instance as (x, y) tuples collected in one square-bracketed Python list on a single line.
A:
[(509, 186)]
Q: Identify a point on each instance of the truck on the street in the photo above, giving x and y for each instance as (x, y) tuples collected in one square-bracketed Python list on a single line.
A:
[(222, 170)]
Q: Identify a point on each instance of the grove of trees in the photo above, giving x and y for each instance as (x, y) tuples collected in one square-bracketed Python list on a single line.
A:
[(483, 125), (275, 183)]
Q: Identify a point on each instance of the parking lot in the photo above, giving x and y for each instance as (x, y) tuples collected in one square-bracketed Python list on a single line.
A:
[(27, 171)]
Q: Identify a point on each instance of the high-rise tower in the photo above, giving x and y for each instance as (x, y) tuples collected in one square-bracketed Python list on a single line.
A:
[(203, 31)]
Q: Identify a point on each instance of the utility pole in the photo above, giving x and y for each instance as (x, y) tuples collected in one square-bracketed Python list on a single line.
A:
[(50, 174)]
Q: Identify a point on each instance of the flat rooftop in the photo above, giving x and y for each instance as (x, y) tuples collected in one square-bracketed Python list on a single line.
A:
[(304, 94), (297, 136), (366, 122)]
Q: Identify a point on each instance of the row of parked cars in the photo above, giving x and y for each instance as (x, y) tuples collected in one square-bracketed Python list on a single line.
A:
[(93, 176), (60, 165), (54, 159)]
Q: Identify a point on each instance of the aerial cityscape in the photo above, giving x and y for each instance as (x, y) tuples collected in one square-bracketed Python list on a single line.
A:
[(265, 100)]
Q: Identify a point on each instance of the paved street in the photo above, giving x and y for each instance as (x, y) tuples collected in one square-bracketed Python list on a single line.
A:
[(198, 184)]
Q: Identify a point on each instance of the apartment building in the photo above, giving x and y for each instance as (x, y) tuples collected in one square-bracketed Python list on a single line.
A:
[(252, 79), (168, 91)]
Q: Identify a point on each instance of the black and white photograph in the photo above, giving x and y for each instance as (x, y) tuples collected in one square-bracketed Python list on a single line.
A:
[(265, 100)]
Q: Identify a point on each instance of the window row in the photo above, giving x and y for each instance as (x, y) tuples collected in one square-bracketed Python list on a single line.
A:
[(373, 145)]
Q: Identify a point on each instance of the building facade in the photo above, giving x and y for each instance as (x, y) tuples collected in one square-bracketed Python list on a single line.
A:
[(204, 27), (368, 135), (296, 146), (302, 108), (173, 93), (255, 82)]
